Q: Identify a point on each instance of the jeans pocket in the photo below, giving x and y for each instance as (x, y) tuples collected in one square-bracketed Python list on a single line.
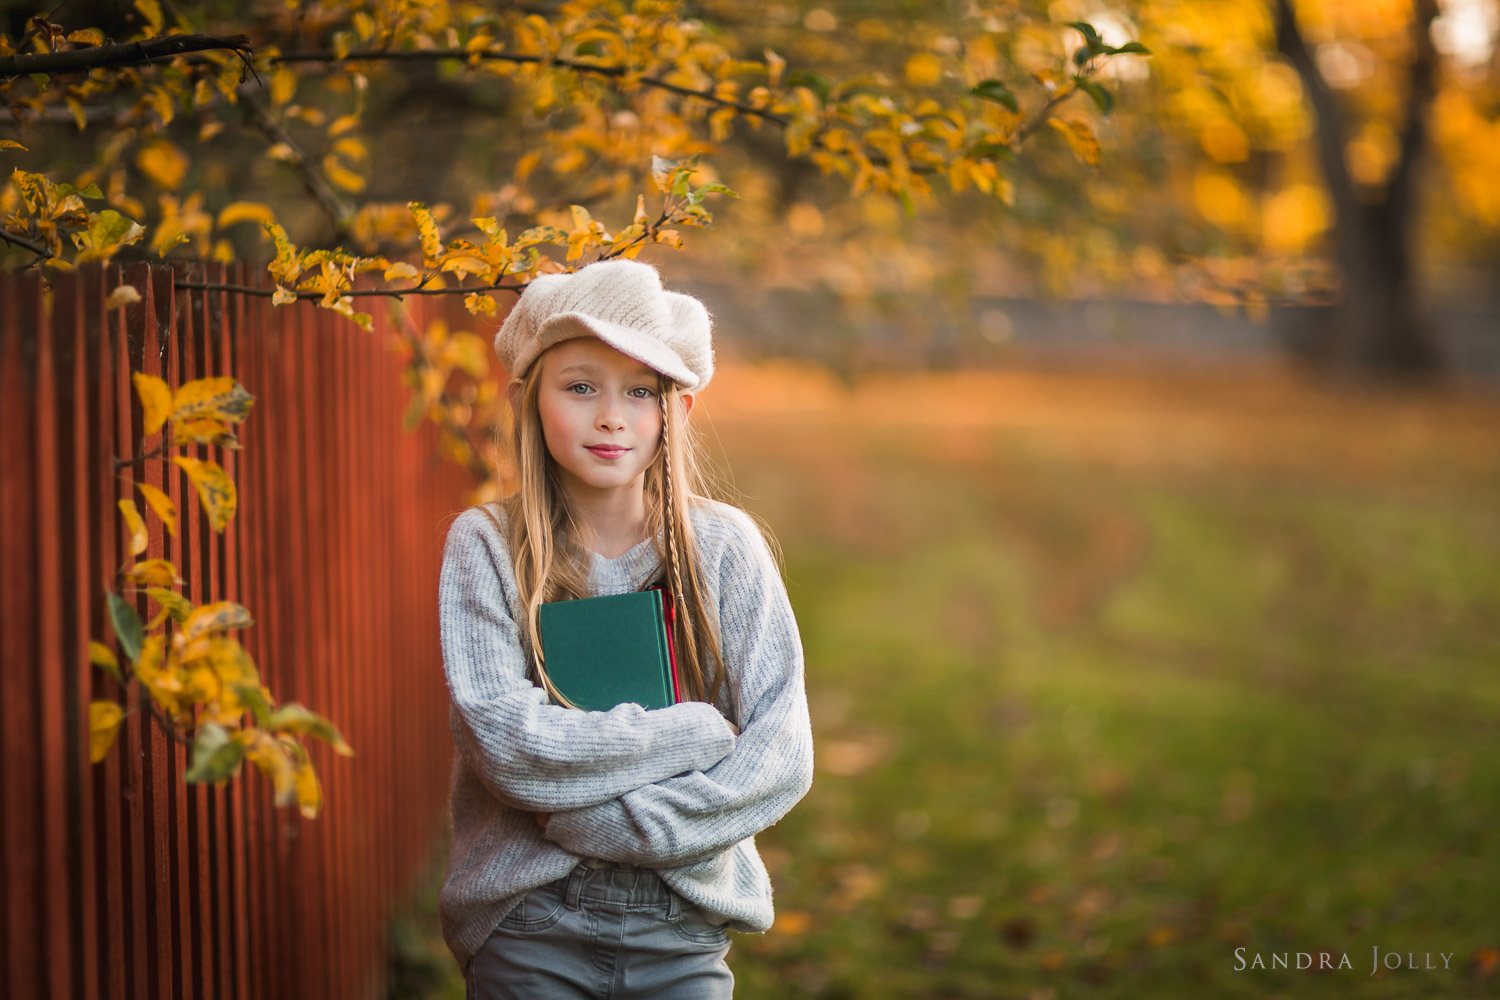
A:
[(538, 910), (693, 925)]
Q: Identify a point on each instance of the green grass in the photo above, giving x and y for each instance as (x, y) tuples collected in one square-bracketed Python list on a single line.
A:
[(1264, 717), (1084, 727)]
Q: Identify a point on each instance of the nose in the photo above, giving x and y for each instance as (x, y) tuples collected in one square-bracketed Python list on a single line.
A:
[(610, 417)]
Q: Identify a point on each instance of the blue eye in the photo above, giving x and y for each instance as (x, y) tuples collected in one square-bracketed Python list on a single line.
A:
[(579, 385), (642, 392)]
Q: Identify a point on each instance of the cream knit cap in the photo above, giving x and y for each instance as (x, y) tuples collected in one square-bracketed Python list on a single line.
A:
[(622, 303)]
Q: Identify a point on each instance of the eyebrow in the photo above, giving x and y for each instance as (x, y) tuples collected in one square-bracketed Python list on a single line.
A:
[(583, 368)]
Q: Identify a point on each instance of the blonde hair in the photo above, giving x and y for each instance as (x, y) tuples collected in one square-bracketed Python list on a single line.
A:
[(550, 564)]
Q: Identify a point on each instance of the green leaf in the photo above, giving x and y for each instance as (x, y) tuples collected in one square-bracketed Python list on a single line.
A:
[(994, 90), (815, 82), (1099, 94), (254, 700), (216, 754), (128, 628), (1130, 49), (1089, 33), (297, 718)]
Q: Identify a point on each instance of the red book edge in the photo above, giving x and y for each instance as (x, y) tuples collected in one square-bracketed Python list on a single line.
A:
[(669, 616)]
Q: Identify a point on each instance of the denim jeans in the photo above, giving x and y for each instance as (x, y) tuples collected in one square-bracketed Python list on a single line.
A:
[(612, 932)]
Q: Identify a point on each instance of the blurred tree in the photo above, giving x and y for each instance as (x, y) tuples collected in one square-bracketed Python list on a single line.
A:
[(1376, 322)]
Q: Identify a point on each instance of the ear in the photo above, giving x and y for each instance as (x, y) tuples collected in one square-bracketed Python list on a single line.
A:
[(688, 399), (513, 393)]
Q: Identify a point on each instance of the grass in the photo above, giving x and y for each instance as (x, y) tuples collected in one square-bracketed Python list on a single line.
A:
[(1112, 675)]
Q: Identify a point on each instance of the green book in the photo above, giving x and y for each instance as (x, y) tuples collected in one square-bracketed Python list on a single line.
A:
[(600, 652)]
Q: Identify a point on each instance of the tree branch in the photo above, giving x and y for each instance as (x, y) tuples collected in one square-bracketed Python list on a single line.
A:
[(26, 244), (312, 178), (1421, 91), (390, 293), (1330, 130), (124, 54), (612, 72)]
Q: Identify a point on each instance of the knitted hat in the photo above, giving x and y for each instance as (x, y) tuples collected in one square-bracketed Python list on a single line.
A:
[(622, 303)]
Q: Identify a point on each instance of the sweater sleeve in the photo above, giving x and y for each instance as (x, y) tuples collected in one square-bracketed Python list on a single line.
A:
[(692, 816), (529, 754)]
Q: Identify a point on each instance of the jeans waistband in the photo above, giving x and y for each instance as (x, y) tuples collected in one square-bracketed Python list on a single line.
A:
[(617, 887)]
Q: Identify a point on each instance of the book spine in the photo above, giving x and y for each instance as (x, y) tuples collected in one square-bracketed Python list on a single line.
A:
[(669, 613)]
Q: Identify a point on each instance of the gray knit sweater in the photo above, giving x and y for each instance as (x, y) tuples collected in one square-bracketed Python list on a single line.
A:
[(671, 789)]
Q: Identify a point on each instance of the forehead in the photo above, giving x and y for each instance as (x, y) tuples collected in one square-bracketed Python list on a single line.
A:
[(589, 355)]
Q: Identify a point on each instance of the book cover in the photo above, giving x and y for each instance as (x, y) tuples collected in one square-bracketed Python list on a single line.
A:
[(604, 651)]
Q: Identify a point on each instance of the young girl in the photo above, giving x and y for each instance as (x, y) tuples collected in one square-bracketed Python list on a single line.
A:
[(607, 854)]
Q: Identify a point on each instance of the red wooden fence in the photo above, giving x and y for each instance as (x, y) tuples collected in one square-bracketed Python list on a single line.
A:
[(120, 879)]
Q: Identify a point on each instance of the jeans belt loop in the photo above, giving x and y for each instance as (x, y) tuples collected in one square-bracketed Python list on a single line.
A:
[(574, 888)]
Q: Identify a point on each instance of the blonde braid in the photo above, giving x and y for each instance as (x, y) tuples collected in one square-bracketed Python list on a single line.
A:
[(685, 635)]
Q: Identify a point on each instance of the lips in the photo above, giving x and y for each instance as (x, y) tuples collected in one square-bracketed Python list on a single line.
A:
[(608, 450)]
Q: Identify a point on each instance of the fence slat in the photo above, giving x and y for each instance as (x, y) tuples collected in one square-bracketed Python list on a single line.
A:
[(121, 881)]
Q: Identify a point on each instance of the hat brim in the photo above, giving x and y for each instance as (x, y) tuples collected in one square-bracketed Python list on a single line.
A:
[(632, 343)]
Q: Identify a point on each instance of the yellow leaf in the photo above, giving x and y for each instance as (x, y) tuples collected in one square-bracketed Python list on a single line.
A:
[(101, 655), (432, 244), (156, 400), (215, 489), (286, 266), (480, 304), (173, 603), (220, 397), (164, 163), (465, 264), (1080, 139), (309, 792), (12, 144), (342, 125), (124, 295), (245, 211), (205, 430), (923, 70), (151, 11), (342, 175), (270, 755), (490, 226), (137, 526), (401, 271), (467, 352), (670, 237), (217, 617), (351, 148), (104, 722), (153, 573), (86, 36), (283, 296), (283, 86), (641, 219)]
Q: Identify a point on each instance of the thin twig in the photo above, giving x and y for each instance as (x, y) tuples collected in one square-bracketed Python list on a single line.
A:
[(614, 72), (37, 24), (156, 452), (166, 724)]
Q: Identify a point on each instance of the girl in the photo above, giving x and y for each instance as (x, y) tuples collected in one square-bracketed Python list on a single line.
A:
[(607, 854)]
